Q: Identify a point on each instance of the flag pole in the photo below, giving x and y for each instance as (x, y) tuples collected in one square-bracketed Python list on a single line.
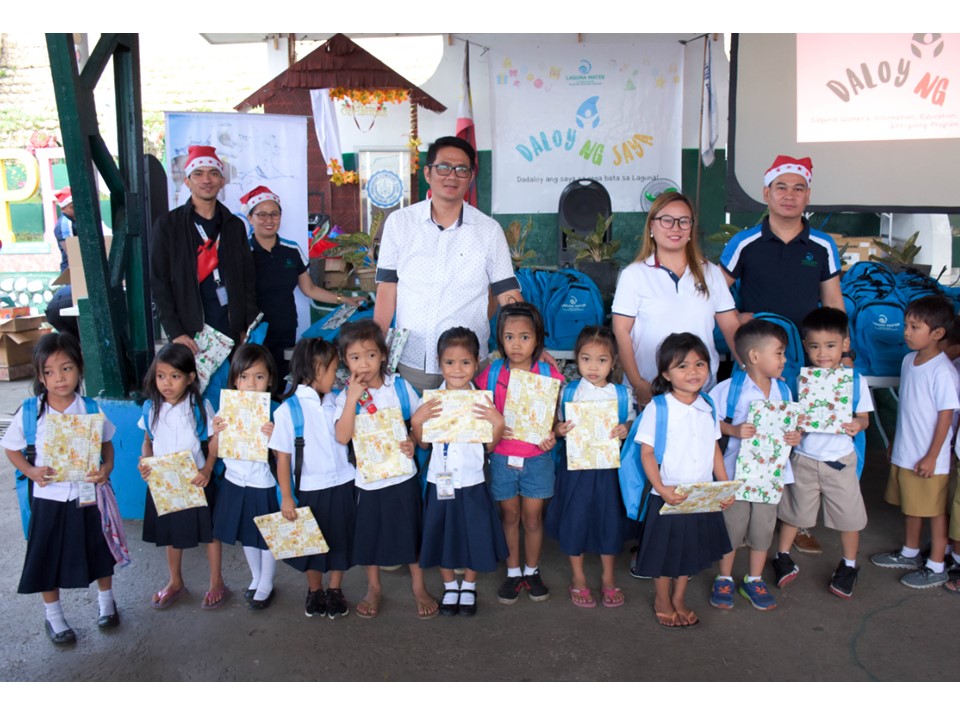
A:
[(703, 93)]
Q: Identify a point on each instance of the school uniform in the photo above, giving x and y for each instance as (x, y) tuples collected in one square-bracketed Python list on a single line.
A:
[(678, 545), (175, 430), (586, 513), (465, 530), (65, 543), (326, 480), (248, 491), (389, 512)]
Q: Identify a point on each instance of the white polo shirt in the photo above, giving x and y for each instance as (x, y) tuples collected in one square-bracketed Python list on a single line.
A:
[(176, 430), (463, 460), (443, 277), (830, 447), (662, 304)]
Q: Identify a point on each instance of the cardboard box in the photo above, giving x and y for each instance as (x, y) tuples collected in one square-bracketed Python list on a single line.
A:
[(858, 249), (335, 279), (21, 324), (335, 264), (16, 348), (78, 280), (11, 312)]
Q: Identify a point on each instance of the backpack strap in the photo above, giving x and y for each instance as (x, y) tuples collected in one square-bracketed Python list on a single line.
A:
[(493, 376), (860, 440), (544, 368), (733, 394), (660, 430), (200, 425), (403, 396), (145, 413), (91, 405), (711, 403), (296, 416), (623, 403), (784, 390), (567, 394), (28, 416)]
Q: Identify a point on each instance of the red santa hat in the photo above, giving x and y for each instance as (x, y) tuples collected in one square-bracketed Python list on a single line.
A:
[(199, 156), (785, 164), (258, 195), (64, 197)]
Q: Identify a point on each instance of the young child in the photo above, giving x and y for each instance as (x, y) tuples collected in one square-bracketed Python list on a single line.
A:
[(521, 474), (250, 488), (389, 512), (920, 461), (825, 465), (462, 531), (172, 421), (586, 513), (326, 477), (66, 543), (761, 347), (675, 547)]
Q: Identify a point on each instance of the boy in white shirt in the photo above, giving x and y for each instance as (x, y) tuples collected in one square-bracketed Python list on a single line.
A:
[(920, 461), (761, 346), (825, 464)]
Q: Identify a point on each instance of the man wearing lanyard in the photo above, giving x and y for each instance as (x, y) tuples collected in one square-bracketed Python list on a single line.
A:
[(439, 262), (201, 269)]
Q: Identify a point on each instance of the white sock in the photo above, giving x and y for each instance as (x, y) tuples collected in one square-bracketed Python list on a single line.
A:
[(514, 572), (724, 577), (909, 552), (268, 566), (450, 591), (107, 605), (850, 563), (468, 598), (527, 570), (253, 560), (752, 578), (55, 616), (937, 567)]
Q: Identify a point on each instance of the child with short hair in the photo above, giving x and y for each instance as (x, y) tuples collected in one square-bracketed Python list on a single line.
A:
[(761, 346), (825, 465), (920, 461)]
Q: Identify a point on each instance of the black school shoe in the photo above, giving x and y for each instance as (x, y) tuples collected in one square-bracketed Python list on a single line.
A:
[(255, 604), (844, 578), (105, 622), (449, 609), (471, 609), (65, 637), (315, 603), (336, 604), (785, 569)]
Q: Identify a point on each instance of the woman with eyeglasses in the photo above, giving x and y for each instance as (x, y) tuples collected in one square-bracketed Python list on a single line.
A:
[(669, 288), (280, 267)]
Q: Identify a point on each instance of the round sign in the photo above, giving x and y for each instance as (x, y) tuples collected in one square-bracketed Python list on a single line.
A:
[(385, 188)]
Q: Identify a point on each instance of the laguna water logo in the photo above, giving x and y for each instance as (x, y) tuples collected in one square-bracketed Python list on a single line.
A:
[(585, 67), (585, 75), (588, 112)]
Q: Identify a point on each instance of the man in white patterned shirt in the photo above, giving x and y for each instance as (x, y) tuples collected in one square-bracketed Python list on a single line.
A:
[(439, 262)]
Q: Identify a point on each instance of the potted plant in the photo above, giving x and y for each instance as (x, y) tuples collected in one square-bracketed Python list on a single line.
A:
[(900, 258), (517, 236), (595, 256), (358, 251)]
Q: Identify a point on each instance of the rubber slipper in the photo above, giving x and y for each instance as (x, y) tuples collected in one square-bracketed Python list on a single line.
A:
[(367, 610), (581, 597), (211, 601), (429, 616), (952, 586), (611, 597), (164, 599), (668, 620), (691, 619)]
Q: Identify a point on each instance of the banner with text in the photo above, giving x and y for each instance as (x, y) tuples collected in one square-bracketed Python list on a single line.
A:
[(611, 113)]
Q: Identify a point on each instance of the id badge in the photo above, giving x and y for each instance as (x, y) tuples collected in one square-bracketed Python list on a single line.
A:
[(445, 486), (222, 295), (88, 494), (515, 462)]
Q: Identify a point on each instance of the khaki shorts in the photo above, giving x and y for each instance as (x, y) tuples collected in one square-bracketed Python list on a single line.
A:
[(815, 482), (917, 496), (955, 510), (751, 524)]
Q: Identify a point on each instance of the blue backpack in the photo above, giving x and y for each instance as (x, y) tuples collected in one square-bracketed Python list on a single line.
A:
[(364, 312), (875, 307), (736, 389), (28, 416), (793, 352), (634, 485), (571, 302)]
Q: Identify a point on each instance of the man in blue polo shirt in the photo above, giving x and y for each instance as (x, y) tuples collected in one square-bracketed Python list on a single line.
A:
[(783, 265)]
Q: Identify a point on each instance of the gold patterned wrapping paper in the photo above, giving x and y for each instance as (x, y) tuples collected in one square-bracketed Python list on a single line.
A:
[(376, 442), (457, 422), (170, 482), (213, 347), (531, 405), (826, 398), (762, 459), (246, 412), (589, 445), (290, 539), (702, 497), (72, 445)]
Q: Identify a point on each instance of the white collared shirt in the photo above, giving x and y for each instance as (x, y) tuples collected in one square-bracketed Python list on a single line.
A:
[(463, 460), (176, 430), (443, 276), (587, 392)]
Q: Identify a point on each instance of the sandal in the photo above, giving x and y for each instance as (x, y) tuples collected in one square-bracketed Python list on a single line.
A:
[(215, 599), (668, 620), (582, 597), (368, 610), (165, 598), (690, 619), (952, 586), (611, 597), (430, 615)]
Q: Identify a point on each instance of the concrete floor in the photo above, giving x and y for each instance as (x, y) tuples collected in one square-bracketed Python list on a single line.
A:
[(886, 632)]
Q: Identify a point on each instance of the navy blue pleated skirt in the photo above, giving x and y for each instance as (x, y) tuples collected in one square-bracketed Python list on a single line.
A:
[(236, 508), (389, 525), (677, 545), (335, 510), (65, 547), (463, 532), (586, 513), (184, 529)]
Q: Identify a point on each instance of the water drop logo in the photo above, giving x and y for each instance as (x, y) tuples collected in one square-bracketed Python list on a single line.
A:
[(588, 113), (585, 67), (926, 40)]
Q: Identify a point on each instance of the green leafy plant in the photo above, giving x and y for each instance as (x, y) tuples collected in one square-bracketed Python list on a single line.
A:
[(592, 245), (903, 255), (357, 249), (517, 236)]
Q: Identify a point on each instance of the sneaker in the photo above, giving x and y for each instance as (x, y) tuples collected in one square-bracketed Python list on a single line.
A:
[(758, 594), (509, 591), (336, 604), (785, 568), (721, 597), (806, 543), (896, 559), (315, 604), (923, 578), (843, 580), (534, 584)]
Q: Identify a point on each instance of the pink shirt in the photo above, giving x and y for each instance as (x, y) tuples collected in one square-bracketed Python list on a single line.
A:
[(515, 448)]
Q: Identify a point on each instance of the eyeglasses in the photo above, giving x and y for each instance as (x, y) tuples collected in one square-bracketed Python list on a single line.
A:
[(444, 169), (668, 221), (266, 215)]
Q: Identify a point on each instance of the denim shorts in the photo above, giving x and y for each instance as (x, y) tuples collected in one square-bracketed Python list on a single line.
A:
[(534, 480)]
